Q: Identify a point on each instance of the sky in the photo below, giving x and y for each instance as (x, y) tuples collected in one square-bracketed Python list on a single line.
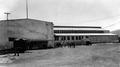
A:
[(104, 13)]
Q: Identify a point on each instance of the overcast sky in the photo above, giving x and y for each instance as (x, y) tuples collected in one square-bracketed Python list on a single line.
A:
[(66, 12)]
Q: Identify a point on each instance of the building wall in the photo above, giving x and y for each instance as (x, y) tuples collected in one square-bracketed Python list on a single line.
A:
[(3, 36), (27, 29), (77, 33)]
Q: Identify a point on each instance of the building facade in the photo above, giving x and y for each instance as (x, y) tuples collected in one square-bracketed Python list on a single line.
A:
[(79, 33), (27, 29), (37, 33)]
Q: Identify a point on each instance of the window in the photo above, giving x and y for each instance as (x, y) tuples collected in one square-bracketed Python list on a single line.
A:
[(68, 37), (63, 38), (56, 37), (72, 37), (77, 38)]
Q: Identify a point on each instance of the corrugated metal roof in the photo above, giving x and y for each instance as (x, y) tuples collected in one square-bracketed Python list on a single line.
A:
[(78, 29), (78, 34)]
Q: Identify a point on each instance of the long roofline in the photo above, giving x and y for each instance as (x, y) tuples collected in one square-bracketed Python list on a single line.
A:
[(23, 19), (77, 27)]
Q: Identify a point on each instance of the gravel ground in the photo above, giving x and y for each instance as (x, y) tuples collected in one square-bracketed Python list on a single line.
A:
[(99, 55)]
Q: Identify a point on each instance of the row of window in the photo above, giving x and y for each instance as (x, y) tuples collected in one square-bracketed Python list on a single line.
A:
[(77, 31), (101, 38), (68, 37)]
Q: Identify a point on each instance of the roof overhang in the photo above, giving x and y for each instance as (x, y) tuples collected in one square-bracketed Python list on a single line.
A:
[(83, 34)]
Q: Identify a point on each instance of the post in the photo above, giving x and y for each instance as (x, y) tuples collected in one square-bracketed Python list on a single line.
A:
[(7, 14), (27, 9)]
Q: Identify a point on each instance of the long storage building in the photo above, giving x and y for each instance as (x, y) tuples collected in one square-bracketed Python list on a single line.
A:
[(78, 34)]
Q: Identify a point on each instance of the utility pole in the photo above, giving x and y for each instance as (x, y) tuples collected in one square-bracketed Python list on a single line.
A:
[(26, 9), (7, 14)]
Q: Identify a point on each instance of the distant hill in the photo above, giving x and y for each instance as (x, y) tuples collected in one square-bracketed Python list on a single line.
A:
[(116, 32)]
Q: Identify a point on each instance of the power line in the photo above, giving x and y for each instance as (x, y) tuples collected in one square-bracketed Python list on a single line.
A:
[(111, 25), (105, 18)]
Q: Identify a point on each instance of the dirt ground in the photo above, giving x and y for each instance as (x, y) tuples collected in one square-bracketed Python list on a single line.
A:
[(98, 55)]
